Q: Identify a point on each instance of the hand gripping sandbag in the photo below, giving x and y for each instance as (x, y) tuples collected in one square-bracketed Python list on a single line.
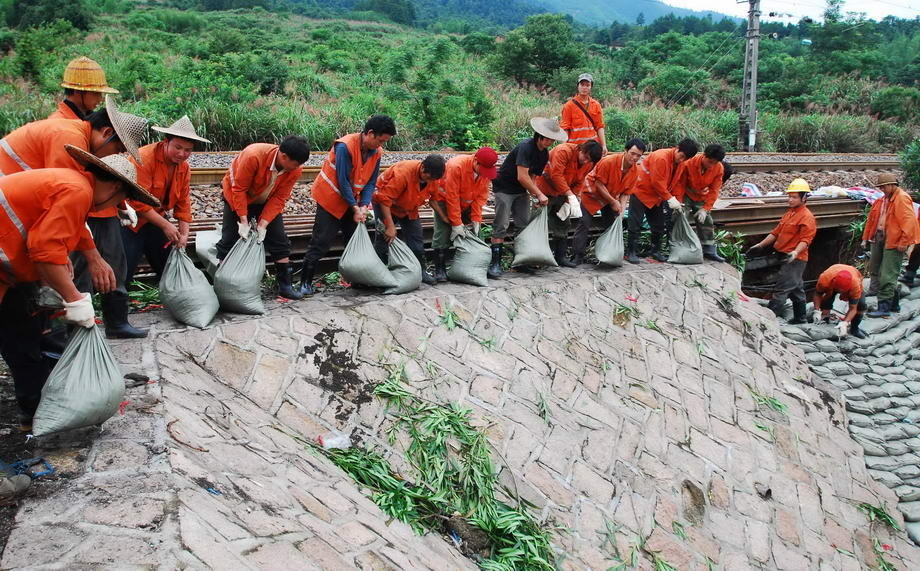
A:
[(685, 245), (85, 387), (186, 292), (609, 247), (206, 249), (360, 264), (404, 267), (238, 281), (531, 246), (471, 262)]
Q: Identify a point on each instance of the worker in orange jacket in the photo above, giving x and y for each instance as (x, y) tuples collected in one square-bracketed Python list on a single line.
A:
[(655, 184), (892, 228), (562, 182), (459, 200), (847, 282), (791, 237), (913, 263), (401, 191), (41, 220), (163, 170), (257, 187), (343, 190), (699, 182), (607, 189), (84, 88), (582, 115)]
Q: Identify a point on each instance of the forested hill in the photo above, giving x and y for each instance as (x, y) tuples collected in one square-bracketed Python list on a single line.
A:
[(605, 12)]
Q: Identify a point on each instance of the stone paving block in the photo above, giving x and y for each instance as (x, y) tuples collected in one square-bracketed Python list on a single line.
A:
[(267, 380), (119, 455), (30, 546), (231, 364), (119, 551)]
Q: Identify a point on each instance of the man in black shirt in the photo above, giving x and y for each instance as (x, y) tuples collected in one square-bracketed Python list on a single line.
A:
[(516, 184)]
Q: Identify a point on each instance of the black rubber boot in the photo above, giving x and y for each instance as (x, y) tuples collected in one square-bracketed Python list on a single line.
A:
[(855, 331), (884, 309), (426, 277), (559, 248), (495, 267), (440, 264), (711, 253), (284, 274), (578, 259), (115, 317), (908, 278), (631, 256), (896, 302), (656, 249), (798, 313), (778, 309), (306, 280)]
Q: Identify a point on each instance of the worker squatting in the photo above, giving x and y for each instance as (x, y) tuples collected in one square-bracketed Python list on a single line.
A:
[(82, 201)]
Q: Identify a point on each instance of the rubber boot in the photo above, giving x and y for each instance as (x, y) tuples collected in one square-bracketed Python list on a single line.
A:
[(855, 331), (778, 309), (306, 280), (115, 317), (631, 256), (559, 248), (495, 267), (884, 310), (284, 274), (710, 252), (908, 277), (896, 302), (426, 277), (798, 313), (440, 265), (656, 249)]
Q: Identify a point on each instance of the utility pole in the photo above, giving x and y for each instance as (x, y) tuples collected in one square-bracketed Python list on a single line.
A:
[(747, 118)]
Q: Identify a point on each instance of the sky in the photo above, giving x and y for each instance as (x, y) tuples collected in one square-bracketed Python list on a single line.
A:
[(874, 9)]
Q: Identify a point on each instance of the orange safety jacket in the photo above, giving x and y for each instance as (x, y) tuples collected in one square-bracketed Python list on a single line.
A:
[(153, 174), (609, 171), (563, 173), (699, 186), (249, 176), (901, 228), (326, 187), (40, 145), (825, 283), (577, 125), (42, 219), (796, 225), (656, 178), (64, 111), (462, 191), (399, 188)]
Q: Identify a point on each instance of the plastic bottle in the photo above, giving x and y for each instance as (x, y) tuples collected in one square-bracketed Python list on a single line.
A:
[(334, 440)]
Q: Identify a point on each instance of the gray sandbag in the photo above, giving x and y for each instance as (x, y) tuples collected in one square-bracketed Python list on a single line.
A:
[(186, 292), (685, 244), (360, 264), (84, 388), (471, 262), (206, 249), (609, 247), (531, 246), (404, 267), (238, 281)]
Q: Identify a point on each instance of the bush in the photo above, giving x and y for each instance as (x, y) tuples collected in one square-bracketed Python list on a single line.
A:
[(35, 13), (902, 103), (478, 43), (910, 165)]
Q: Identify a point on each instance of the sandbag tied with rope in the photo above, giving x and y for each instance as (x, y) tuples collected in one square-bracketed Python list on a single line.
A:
[(531, 246), (685, 245), (471, 260), (609, 247), (238, 280), (360, 263), (186, 292)]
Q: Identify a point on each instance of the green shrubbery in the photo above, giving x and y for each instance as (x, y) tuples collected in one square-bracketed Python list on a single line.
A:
[(910, 165)]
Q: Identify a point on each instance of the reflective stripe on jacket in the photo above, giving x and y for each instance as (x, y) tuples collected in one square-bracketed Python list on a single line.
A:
[(326, 188)]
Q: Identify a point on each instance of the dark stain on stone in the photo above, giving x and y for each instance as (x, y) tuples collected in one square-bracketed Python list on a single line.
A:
[(694, 502), (828, 401), (338, 373)]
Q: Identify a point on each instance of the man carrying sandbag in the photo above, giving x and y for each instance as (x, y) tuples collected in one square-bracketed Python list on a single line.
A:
[(516, 184), (844, 281), (607, 189), (892, 228), (654, 188), (163, 170), (42, 219), (257, 186), (699, 182), (562, 181), (463, 193), (791, 237), (401, 191)]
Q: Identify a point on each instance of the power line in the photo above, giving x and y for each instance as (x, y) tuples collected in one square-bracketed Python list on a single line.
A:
[(712, 53)]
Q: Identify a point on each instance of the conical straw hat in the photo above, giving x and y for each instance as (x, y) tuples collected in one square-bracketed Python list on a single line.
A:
[(182, 128), (130, 128), (549, 128), (84, 74), (119, 166)]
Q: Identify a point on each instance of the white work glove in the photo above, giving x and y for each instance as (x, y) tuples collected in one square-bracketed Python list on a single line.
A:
[(865, 244), (563, 212), (80, 312), (242, 230), (260, 234), (674, 204), (790, 257), (476, 227), (456, 232), (816, 317), (128, 216), (574, 207), (701, 215), (843, 328)]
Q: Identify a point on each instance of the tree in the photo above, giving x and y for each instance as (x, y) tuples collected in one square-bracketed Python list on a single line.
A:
[(400, 11), (541, 46), (640, 19), (34, 13)]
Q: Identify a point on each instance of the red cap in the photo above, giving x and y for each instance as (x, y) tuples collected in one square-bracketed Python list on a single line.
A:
[(487, 157), (842, 281)]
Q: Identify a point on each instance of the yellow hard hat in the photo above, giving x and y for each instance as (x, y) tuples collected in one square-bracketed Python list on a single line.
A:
[(798, 185), (84, 74)]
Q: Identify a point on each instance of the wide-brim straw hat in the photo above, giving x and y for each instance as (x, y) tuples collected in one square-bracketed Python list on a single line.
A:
[(182, 128), (549, 128), (886, 178), (130, 128), (84, 74), (118, 166)]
